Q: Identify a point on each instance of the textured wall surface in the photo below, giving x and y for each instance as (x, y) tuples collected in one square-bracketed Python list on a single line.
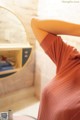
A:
[(24, 78), (11, 28)]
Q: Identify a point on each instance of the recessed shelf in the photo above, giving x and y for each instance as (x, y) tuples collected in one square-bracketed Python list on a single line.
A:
[(16, 55)]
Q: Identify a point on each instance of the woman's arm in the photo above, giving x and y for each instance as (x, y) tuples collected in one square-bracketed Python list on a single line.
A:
[(42, 27)]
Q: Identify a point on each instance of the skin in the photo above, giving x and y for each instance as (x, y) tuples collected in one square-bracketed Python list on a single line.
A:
[(42, 27)]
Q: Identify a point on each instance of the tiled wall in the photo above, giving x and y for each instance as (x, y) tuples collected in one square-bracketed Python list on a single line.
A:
[(25, 77), (11, 28)]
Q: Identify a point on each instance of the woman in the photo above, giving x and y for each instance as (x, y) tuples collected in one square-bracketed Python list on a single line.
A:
[(61, 97)]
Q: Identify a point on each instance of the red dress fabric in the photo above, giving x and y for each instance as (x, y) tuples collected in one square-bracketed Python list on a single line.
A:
[(60, 98)]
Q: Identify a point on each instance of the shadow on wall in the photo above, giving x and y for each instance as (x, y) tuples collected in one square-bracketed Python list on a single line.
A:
[(44, 69), (37, 81)]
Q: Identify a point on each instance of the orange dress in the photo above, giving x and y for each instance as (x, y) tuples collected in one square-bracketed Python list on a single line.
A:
[(61, 97)]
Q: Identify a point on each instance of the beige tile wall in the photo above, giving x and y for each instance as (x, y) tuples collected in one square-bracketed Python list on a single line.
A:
[(24, 78)]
